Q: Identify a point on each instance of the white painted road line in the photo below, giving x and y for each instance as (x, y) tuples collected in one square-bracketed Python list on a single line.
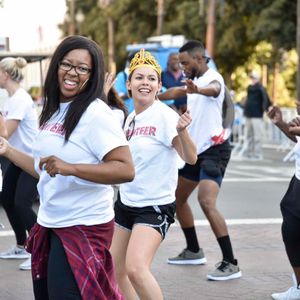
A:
[(262, 180), (238, 222), (5, 233)]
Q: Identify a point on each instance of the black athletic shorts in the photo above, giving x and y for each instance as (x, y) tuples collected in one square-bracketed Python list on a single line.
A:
[(211, 164), (159, 217)]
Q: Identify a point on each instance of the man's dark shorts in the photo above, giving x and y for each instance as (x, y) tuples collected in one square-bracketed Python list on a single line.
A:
[(211, 164)]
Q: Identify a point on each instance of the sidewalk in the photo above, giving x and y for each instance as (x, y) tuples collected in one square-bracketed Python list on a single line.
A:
[(261, 256), (258, 248)]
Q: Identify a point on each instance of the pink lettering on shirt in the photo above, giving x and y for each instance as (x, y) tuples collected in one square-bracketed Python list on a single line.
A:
[(144, 131), (56, 128), (152, 130)]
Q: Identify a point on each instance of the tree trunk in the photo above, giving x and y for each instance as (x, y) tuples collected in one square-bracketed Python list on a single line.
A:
[(111, 46), (210, 31), (160, 17)]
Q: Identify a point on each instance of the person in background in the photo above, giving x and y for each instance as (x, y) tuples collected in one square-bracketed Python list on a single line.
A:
[(78, 153), (290, 204), (114, 101), (257, 102), (120, 84), (173, 76), (145, 207), (19, 187), (3, 132), (205, 92)]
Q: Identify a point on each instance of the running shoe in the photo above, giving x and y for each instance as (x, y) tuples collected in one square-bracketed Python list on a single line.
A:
[(15, 253), (293, 293), (187, 257), (225, 271), (26, 265)]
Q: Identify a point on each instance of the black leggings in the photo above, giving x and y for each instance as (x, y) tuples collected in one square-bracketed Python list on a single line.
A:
[(18, 194), (60, 283), (290, 209)]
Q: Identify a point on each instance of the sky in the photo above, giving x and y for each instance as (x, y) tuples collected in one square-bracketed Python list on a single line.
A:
[(31, 24)]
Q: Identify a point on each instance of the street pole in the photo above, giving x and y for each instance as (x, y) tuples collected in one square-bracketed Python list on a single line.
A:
[(160, 17), (106, 5), (210, 31), (111, 45), (71, 29)]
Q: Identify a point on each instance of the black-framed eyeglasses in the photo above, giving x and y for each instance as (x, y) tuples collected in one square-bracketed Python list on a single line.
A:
[(80, 70), (130, 129)]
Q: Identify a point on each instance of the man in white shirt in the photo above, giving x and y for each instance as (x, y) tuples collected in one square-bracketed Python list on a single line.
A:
[(205, 95)]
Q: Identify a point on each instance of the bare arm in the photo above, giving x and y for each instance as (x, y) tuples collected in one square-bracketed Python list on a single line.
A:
[(183, 143), (173, 93), (275, 114), (20, 159), (3, 130), (294, 126), (213, 89), (10, 127), (109, 82), (117, 167)]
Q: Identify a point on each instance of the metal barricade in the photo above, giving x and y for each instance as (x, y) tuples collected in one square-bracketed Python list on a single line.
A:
[(272, 136)]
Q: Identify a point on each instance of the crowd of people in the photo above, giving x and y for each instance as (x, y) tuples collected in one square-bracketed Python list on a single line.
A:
[(88, 142)]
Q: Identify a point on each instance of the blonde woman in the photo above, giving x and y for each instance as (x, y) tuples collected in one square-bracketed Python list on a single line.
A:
[(20, 124)]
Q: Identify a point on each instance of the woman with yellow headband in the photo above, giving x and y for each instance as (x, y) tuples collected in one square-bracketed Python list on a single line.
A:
[(146, 206)]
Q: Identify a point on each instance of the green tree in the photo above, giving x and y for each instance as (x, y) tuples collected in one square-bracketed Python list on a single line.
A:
[(240, 27)]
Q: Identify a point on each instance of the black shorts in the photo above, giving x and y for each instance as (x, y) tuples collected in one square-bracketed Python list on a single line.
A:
[(159, 217), (211, 164)]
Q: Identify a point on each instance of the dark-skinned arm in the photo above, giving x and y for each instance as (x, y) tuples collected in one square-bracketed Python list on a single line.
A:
[(275, 115), (213, 89), (117, 167), (173, 93), (20, 159)]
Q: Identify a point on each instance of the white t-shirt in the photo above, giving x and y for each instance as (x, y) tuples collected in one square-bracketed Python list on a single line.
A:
[(297, 158), (119, 114), (206, 128), (21, 107), (68, 200), (155, 159)]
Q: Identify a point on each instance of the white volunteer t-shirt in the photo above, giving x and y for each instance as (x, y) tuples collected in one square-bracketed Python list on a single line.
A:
[(155, 159), (68, 200), (119, 114), (206, 128), (21, 107), (297, 158)]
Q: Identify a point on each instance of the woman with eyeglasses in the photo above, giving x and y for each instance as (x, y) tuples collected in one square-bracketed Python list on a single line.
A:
[(20, 123), (79, 152), (146, 206)]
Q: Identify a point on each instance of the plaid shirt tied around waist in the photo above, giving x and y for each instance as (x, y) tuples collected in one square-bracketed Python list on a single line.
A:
[(86, 248)]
